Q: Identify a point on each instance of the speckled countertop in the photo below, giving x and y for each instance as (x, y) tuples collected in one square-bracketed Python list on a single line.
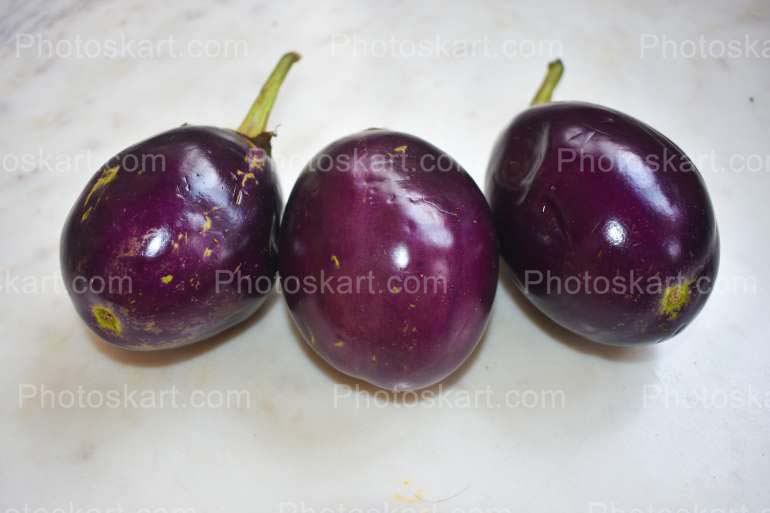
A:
[(683, 426)]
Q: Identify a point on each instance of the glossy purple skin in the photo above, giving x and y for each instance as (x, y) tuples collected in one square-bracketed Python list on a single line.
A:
[(186, 229), (577, 188), (368, 203)]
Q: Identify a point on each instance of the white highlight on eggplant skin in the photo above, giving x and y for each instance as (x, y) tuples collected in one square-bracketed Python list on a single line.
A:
[(614, 232), (400, 256), (155, 241)]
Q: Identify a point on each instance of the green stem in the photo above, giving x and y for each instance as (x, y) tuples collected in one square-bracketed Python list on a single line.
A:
[(551, 80), (255, 121)]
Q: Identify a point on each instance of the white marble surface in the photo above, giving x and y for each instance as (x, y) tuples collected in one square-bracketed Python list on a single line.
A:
[(684, 426)]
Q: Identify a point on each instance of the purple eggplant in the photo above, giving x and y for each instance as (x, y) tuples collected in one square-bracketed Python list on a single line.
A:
[(605, 223), (175, 238), (388, 259)]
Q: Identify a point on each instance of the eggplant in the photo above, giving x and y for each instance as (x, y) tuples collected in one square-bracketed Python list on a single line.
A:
[(605, 223), (175, 239), (388, 259)]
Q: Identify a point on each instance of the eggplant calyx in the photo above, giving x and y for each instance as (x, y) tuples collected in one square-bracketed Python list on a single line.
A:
[(255, 123), (263, 140), (551, 80)]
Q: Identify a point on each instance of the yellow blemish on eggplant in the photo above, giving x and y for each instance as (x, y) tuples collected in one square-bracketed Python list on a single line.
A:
[(674, 299), (206, 252), (107, 177), (400, 149), (206, 223), (395, 290), (246, 177), (339, 343), (167, 278), (412, 306), (244, 180), (335, 261), (107, 320), (86, 214), (254, 160), (237, 268)]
